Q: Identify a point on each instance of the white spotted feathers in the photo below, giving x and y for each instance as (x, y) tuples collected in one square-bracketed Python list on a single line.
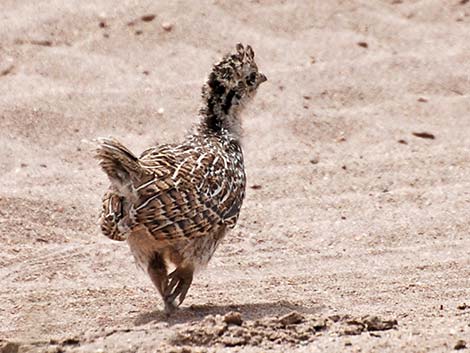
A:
[(185, 196)]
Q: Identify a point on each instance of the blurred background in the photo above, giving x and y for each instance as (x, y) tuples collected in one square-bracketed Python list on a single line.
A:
[(356, 149)]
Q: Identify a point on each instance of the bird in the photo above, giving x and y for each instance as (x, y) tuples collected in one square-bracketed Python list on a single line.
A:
[(175, 202)]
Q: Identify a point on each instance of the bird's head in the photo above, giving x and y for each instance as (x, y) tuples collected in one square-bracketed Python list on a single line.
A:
[(231, 84)]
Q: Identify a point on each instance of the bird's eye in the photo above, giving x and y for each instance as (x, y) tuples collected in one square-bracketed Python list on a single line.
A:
[(251, 79)]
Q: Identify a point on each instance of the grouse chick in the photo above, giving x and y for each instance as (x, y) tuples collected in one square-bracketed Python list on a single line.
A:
[(175, 202)]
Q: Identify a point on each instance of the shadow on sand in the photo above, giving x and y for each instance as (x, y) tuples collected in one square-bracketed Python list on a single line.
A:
[(248, 311)]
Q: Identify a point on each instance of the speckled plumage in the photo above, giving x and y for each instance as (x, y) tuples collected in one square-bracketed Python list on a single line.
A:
[(175, 202)]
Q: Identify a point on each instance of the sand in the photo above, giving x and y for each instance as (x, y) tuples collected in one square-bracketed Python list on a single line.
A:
[(355, 236)]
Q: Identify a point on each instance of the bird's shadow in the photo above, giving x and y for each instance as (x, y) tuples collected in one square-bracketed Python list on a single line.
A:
[(249, 312)]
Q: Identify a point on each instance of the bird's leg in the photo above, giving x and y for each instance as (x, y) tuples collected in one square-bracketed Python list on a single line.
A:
[(180, 281), (158, 274)]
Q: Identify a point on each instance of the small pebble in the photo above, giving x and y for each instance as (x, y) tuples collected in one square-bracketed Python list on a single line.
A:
[(424, 135), (160, 111), (167, 26), (148, 18), (314, 161), (461, 344), (292, 318), (233, 318)]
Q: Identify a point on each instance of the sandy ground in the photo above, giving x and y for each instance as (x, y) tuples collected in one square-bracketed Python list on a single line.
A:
[(357, 236)]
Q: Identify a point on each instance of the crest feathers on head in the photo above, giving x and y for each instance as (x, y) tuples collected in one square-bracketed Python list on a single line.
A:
[(245, 52)]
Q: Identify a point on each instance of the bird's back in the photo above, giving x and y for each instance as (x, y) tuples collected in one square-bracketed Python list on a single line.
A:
[(186, 191)]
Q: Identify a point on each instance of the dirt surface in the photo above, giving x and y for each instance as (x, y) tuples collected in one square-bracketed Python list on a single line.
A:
[(354, 235)]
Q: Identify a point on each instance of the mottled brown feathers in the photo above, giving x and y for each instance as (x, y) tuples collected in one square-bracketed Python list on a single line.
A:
[(232, 82), (175, 202), (182, 191)]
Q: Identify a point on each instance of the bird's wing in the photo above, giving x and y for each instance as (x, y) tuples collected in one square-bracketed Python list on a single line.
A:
[(193, 191)]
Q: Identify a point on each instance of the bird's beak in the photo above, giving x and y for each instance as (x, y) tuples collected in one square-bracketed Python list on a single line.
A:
[(262, 78)]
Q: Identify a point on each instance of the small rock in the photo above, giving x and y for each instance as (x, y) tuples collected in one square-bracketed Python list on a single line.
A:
[(403, 142), (463, 306), (167, 26), (307, 97), (138, 32), (233, 318), (160, 111), (42, 165), (103, 24), (422, 99), (314, 161), (363, 44), (424, 135), (146, 72), (148, 18), (256, 186), (461, 344), (373, 323), (292, 318)]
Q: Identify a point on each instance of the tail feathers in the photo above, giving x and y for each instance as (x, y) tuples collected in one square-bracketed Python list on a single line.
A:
[(120, 164)]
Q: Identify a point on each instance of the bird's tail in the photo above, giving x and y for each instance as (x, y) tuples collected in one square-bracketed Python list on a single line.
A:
[(120, 164)]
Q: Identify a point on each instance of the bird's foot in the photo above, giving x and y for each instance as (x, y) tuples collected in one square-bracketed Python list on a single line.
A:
[(180, 281)]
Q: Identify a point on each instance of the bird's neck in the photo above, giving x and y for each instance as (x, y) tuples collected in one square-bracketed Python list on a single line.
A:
[(220, 114)]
